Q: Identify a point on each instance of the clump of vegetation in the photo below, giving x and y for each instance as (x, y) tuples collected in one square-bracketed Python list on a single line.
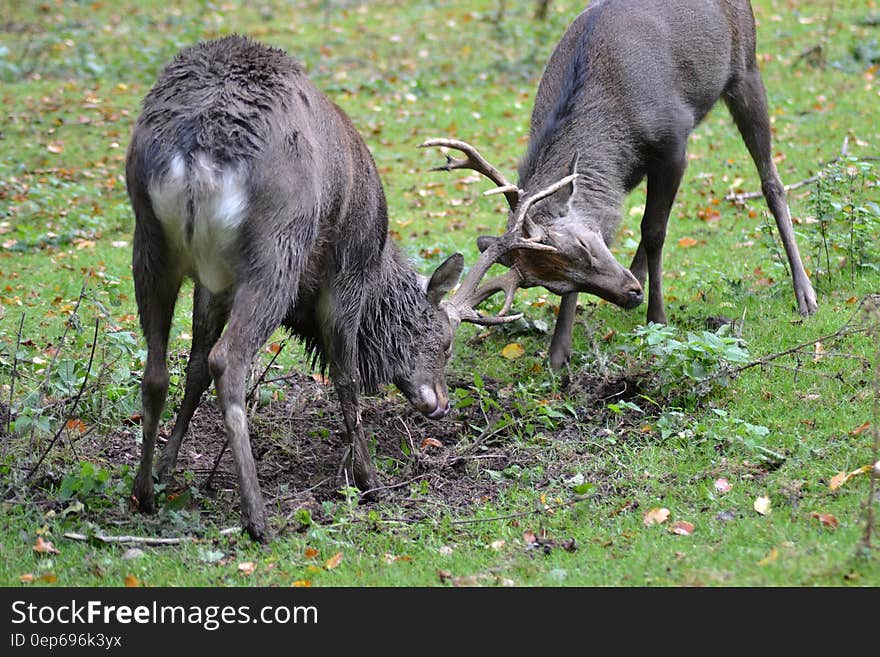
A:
[(847, 221)]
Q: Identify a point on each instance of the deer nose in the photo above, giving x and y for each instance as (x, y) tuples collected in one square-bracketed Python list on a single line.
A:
[(633, 297)]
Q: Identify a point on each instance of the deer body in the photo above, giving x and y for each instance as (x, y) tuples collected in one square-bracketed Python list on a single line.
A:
[(244, 177), (622, 91)]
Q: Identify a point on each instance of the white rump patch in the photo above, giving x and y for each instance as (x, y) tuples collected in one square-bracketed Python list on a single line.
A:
[(219, 204)]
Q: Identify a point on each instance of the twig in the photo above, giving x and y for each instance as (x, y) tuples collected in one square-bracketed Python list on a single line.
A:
[(12, 380), (73, 406), (210, 479), (873, 315), (145, 540), (745, 196), (263, 374)]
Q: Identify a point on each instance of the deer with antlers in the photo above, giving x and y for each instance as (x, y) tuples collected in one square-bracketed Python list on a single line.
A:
[(624, 88), (245, 178)]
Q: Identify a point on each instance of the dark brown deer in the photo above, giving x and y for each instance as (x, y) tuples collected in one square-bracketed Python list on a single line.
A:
[(246, 178), (623, 90)]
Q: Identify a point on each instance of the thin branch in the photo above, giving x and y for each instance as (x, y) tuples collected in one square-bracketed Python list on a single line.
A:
[(73, 406), (12, 379), (145, 540), (745, 196), (263, 374)]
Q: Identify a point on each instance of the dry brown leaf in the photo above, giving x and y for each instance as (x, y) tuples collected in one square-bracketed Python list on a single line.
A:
[(27, 578), (859, 430), (274, 348), (333, 561), (430, 442), (826, 519), (132, 582), (722, 485), (762, 505), (302, 582), (44, 547), (391, 558), (497, 545), (682, 528), (513, 351), (310, 553), (770, 558), (687, 242), (838, 480), (247, 567), (655, 516), (818, 351), (529, 537)]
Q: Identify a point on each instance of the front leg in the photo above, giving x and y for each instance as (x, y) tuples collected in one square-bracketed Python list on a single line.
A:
[(360, 463)]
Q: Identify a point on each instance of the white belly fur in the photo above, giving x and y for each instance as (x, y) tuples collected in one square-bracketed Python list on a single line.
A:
[(219, 205)]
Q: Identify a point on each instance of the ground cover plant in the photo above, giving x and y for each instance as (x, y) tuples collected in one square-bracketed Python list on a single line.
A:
[(730, 447)]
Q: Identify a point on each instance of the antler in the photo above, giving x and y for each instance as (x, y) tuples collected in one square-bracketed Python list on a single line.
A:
[(478, 163), (470, 293)]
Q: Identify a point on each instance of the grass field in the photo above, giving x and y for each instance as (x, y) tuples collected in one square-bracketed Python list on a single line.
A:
[(660, 457)]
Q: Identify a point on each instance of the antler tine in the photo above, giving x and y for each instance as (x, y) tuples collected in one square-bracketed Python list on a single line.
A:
[(475, 161), (528, 201), (470, 293)]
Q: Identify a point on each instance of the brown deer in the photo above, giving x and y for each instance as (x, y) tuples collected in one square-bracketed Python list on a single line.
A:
[(621, 93), (246, 178)]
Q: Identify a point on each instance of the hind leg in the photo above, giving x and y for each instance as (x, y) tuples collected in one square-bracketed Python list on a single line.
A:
[(747, 101), (209, 315), (156, 294)]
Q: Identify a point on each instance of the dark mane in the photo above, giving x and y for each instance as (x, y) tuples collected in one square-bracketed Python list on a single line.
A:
[(567, 100)]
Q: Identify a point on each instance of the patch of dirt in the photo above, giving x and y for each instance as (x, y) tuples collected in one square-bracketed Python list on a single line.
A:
[(299, 447)]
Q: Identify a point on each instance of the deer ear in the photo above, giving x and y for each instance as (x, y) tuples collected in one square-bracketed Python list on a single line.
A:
[(445, 277)]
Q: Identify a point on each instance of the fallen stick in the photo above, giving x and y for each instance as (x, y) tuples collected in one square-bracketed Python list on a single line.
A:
[(144, 540)]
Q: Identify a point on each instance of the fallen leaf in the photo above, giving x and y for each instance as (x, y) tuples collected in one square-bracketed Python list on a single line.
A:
[(445, 550), (274, 348), (431, 442), (497, 545), (513, 351), (770, 558), (333, 561), (247, 567), (818, 351), (310, 553), (302, 582), (682, 528), (838, 480), (826, 519), (132, 582), (762, 505), (722, 485), (529, 537), (44, 547), (687, 242), (841, 478), (655, 516), (76, 425), (859, 430), (132, 553), (27, 578), (391, 558)]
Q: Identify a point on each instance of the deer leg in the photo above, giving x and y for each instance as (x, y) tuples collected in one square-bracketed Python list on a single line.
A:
[(663, 182), (747, 101), (560, 344), (254, 315), (209, 316), (156, 296)]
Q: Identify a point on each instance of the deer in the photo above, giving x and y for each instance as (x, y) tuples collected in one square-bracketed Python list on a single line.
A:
[(618, 99), (247, 179)]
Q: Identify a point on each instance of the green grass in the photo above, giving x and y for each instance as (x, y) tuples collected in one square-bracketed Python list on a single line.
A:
[(73, 76)]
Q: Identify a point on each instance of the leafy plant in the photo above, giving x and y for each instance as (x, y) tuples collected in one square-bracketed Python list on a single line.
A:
[(847, 222), (689, 366)]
